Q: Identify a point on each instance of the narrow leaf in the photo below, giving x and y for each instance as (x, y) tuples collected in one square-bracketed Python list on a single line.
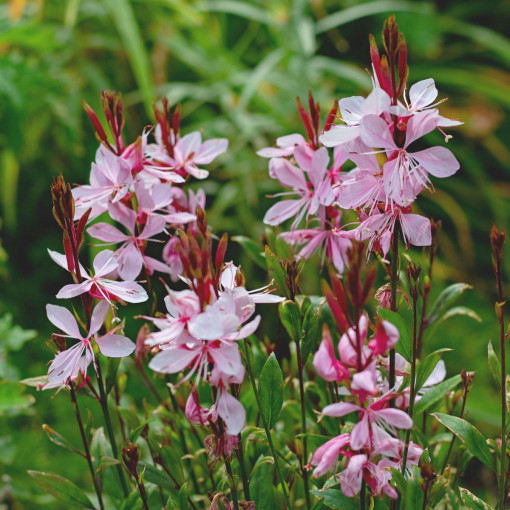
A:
[(471, 501), (473, 439), (61, 488), (334, 498), (445, 300), (310, 329), (494, 364), (59, 439), (290, 318), (253, 250), (427, 366), (271, 390), (276, 272), (436, 393)]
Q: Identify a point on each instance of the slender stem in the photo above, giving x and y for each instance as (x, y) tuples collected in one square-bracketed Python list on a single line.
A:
[(76, 409), (264, 422), (233, 485), (304, 472), (412, 394), (393, 285), (109, 428), (244, 474), (362, 496), (143, 493)]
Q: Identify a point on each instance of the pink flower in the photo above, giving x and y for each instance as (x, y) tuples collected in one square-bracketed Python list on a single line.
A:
[(394, 449), (402, 165), (375, 420), (326, 456), (68, 364), (385, 338), (325, 362), (130, 255), (110, 179), (378, 229), (98, 286), (285, 147), (353, 110)]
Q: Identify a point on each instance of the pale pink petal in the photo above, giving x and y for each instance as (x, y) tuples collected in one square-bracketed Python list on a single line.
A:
[(64, 320), (376, 102), (375, 133), (396, 417), (154, 225), (115, 346), (130, 261), (232, 412), (61, 260), (104, 263), (416, 229), (174, 359), (360, 434), (74, 289), (422, 94), (339, 135), (420, 124), (351, 109), (210, 150), (188, 144), (227, 357), (438, 161), (340, 409), (130, 292), (107, 232), (124, 215), (98, 317), (282, 211), (350, 478), (287, 174)]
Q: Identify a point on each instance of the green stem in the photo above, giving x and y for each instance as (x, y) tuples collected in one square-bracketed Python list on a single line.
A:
[(393, 285), (304, 472), (412, 395), (76, 409), (233, 485), (264, 422), (109, 428)]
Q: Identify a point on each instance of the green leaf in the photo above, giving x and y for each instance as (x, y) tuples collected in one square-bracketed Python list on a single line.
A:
[(290, 318), (436, 393), (59, 439), (427, 366), (494, 364), (61, 488), (460, 310), (336, 499), (12, 398), (471, 501), (399, 479), (414, 493), (403, 347), (153, 475), (242, 9), (112, 367), (261, 486), (310, 329), (276, 272), (126, 24), (105, 462), (271, 390), (473, 439), (183, 497), (9, 174), (253, 250), (445, 300), (344, 16)]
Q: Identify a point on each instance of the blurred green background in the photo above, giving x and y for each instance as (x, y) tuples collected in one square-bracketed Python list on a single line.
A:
[(237, 67)]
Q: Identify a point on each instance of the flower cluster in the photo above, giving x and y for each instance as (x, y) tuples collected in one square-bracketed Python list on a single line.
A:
[(379, 136), (200, 331), (372, 445), (139, 188)]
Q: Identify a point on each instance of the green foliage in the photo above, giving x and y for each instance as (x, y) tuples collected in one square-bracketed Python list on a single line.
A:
[(271, 390)]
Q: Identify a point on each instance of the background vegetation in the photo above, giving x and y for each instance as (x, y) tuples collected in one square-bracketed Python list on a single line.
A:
[(237, 67)]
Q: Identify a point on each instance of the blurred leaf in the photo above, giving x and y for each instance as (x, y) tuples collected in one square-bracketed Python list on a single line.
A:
[(414, 493), (105, 462), (127, 26), (290, 318), (112, 367), (344, 16), (61, 488), (447, 297), (472, 502), (436, 393), (403, 347), (494, 364), (276, 272), (261, 486), (241, 9), (399, 479), (427, 366), (183, 497), (9, 172), (336, 499), (460, 310), (271, 390), (154, 475), (473, 439), (60, 440), (12, 399), (253, 250), (310, 329)]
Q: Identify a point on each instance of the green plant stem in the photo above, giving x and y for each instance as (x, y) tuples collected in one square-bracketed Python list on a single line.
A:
[(304, 472), (244, 474), (233, 485), (393, 287), (264, 422), (76, 409), (362, 496), (109, 428), (143, 493), (412, 392)]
